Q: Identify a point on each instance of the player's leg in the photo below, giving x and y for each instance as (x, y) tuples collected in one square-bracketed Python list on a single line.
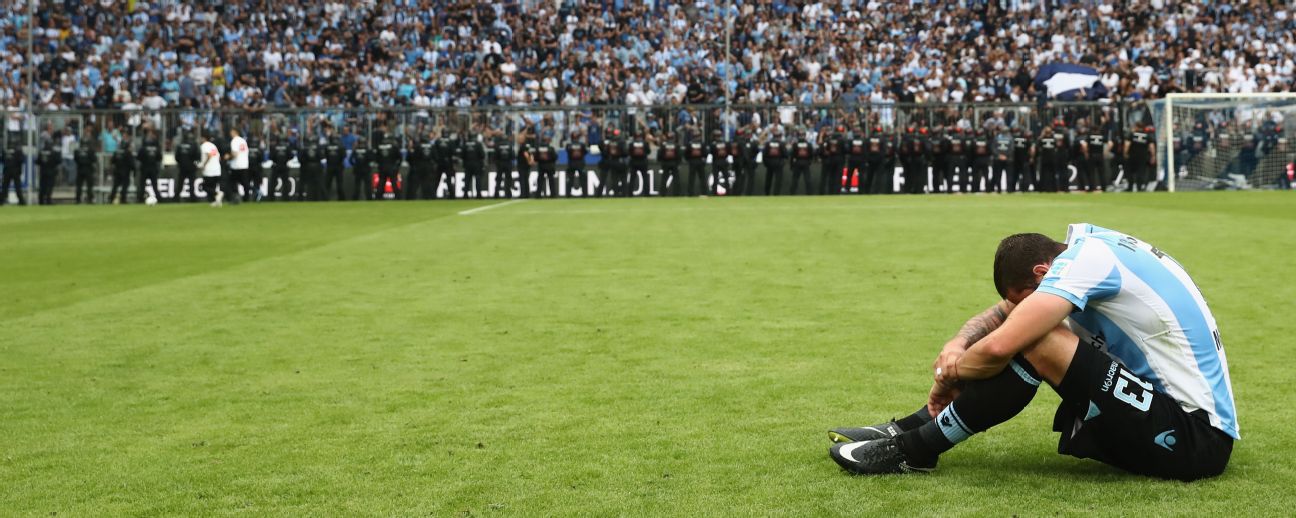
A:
[(980, 405), (1111, 415)]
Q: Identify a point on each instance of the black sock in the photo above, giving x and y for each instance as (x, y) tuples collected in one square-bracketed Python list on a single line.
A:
[(912, 421), (981, 405)]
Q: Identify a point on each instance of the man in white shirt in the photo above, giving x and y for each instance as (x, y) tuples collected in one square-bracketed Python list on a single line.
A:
[(238, 162), (209, 164)]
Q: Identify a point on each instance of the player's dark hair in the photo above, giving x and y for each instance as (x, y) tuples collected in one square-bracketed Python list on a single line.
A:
[(1017, 256)]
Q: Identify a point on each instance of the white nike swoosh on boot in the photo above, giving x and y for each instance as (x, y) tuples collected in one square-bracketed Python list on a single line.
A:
[(847, 449)]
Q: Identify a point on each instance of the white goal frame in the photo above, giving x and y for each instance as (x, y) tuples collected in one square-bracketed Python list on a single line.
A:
[(1166, 136)]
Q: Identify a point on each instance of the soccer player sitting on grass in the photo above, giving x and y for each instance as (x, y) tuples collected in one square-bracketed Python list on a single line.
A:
[(1140, 367)]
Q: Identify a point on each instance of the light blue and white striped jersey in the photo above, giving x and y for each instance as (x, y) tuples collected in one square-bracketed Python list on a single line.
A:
[(1139, 305)]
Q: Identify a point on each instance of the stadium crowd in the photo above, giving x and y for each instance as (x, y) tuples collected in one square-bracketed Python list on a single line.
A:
[(826, 73), (288, 53)]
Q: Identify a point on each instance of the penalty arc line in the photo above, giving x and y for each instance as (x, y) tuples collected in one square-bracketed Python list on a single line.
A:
[(475, 210)]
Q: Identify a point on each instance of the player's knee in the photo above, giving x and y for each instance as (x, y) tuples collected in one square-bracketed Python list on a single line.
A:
[(1051, 355)]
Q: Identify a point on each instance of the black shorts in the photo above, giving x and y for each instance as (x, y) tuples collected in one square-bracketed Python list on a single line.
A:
[(1111, 415)]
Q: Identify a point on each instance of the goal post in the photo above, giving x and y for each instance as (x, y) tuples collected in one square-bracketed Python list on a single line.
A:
[(1211, 141)]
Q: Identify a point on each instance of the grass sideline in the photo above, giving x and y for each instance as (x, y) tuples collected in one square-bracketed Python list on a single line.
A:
[(578, 357)]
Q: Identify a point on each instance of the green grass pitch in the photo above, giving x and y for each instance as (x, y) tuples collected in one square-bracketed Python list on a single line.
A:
[(582, 357)]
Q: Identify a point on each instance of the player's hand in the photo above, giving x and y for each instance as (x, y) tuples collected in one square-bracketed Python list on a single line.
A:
[(939, 398), (946, 367)]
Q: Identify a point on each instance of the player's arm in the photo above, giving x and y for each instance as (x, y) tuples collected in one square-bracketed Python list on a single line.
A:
[(1031, 320)]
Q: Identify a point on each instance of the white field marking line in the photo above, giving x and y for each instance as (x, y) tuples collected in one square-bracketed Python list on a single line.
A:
[(475, 210), (768, 208)]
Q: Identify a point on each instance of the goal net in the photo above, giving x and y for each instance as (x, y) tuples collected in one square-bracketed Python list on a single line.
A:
[(1227, 141)]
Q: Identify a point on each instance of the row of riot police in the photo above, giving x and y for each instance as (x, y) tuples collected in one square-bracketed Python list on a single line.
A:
[(938, 160)]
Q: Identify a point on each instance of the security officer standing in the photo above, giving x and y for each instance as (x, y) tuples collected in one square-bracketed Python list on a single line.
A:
[(48, 160), (1003, 145), (280, 154), (915, 172), (639, 150), (1078, 154), (669, 155), (802, 160), (1022, 173), (738, 153), (980, 161), (312, 171), (186, 157), (1050, 160), (474, 162), (546, 163), (576, 151), (1097, 146), (334, 165), (422, 169), (249, 179), (1139, 149), (941, 176), (959, 159), (87, 166), (14, 158), (610, 162), (389, 159), (774, 155), (361, 170), (149, 159), (719, 163), (447, 147), (877, 156), (832, 155), (857, 162), (123, 164), (695, 154), (502, 154)]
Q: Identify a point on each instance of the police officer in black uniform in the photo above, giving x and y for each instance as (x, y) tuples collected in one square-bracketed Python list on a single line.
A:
[(334, 165), (14, 158), (832, 157), (502, 153), (1022, 173), (1050, 160), (389, 159), (802, 160), (915, 172), (719, 150), (940, 144), (669, 155), (312, 170), (611, 163), (1096, 143), (422, 169), (960, 158), (123, 164), (87, 163), (546, 163), (361, 170), (187, 157), (877, 156), (249, 179), (474, 162), (1079, 154), (638, 151), (980, 161), (774, 156), (280, 154), (47, 162), (695, 153), (1001, 166), (447, 147), (149, 160), (1139, 149), (857, 161), (576, 151)]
